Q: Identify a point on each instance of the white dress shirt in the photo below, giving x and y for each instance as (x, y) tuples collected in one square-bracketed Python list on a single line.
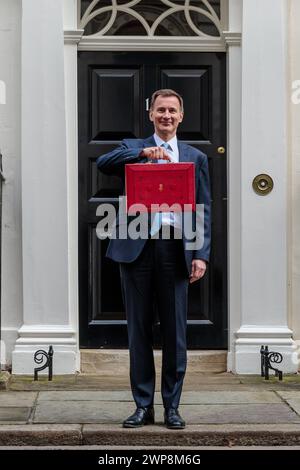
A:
[(174, 154), (170, 218)]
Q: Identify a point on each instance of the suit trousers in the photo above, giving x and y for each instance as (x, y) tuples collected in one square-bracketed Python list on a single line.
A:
[(158, 273)]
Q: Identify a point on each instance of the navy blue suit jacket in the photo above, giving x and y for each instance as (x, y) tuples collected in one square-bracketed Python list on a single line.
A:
[(113, 163)]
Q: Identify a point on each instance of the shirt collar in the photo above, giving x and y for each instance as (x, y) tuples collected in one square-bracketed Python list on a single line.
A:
[(172, 142)]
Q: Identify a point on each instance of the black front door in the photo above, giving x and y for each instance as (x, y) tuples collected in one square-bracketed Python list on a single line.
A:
[(114, 92)]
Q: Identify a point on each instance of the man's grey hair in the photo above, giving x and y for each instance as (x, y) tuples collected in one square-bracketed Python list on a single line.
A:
[(166, 92)]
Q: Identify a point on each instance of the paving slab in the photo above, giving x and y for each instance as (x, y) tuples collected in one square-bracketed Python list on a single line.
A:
[(242, 413), (87, 395), (229, 397), (295, 404), (17, 398), (105, 412), (14, 414), (292, 398), (289, 394), (188, 397), (81, 412), (221, 378)]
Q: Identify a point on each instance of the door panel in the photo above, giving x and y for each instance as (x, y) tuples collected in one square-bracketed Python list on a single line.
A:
[(193, 85), (113, 88), (115, 104)]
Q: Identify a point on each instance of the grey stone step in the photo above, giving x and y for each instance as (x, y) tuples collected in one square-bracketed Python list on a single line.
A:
[(210, 397), (116, 361), (100, 381), (194, 435), (150, 436), (106, 412), (193, 381)]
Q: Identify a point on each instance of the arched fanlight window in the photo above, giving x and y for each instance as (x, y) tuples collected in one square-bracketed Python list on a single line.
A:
[(151, 18)]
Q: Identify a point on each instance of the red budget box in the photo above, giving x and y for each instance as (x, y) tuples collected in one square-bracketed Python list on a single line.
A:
[(156, 184)]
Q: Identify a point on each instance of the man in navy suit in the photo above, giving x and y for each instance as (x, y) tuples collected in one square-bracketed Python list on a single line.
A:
[(159, 268)]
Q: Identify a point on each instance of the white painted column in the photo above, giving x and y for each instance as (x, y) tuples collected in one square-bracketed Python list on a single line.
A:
[(46, 310), (264, 306), (71, 38), (294, 47), (234, 100), (10, 147)]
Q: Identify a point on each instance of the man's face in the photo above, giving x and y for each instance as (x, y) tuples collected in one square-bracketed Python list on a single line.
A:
[(166, 116)]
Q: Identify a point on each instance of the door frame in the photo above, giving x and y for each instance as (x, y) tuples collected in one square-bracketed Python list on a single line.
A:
[(229, 43), (207, 312)]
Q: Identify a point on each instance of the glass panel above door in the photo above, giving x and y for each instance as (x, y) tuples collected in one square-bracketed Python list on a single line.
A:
[(184, 18)]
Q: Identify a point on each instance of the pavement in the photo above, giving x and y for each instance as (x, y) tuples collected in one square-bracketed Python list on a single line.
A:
[(84, 410)]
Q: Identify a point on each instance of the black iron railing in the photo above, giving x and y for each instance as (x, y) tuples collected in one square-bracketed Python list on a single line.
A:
[(39, 357), (267, 357)]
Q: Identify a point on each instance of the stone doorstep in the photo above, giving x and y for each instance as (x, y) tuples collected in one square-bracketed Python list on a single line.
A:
[(209, 354), (108, 360), (114, 435), (122, 371), (122, 355)]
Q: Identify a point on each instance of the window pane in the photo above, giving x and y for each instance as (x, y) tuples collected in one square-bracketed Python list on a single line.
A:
[(175, 24)]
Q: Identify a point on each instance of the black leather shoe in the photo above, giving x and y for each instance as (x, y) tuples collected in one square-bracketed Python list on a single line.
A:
[(141, 417), (173, 420)]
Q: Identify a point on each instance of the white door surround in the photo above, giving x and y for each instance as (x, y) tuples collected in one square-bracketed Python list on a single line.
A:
[(47, 304), (257, 225)]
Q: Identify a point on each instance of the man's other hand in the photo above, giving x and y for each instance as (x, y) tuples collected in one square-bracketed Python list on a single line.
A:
[(155, 153), (198, 270)]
